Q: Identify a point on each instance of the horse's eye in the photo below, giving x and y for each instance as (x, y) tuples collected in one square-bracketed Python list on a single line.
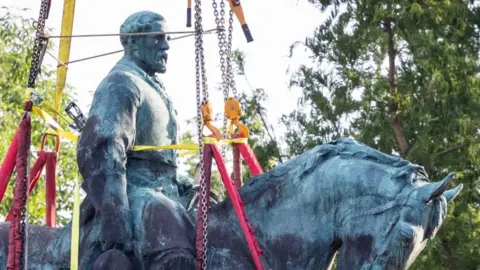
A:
[(421, 178)]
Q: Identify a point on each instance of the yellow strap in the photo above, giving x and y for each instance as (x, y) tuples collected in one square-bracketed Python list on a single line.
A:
[(28, 94), (47, 118), (64, 134), (210, 140), (54, 127), (50, 109), (191, 147), (64, 50), (75, 234), (186, 146)]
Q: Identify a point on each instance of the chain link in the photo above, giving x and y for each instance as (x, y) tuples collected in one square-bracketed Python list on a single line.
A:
[(222, 43), (201, 83), (40, 44), (225, 51), (231, 78)]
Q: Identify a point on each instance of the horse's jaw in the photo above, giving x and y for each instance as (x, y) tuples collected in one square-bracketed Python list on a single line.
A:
[(365, 252)]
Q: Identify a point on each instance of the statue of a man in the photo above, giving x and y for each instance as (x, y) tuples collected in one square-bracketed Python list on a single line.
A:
[(133, 197)]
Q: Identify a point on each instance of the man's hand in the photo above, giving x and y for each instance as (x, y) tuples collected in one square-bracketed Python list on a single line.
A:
[(116, 231)]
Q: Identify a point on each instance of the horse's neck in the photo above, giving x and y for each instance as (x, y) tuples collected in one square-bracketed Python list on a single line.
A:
[(293, 224)]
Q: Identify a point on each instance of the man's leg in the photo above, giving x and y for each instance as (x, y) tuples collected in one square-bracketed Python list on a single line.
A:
[(168, 233)]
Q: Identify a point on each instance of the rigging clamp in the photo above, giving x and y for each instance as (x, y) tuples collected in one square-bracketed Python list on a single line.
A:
[(77, 116), (206, 109), (233, 111)]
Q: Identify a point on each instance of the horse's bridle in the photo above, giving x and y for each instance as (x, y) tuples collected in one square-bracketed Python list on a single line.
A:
[(400, 200)]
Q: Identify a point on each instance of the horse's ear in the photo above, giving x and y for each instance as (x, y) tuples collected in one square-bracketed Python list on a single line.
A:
[(432, 191), (452, 193)]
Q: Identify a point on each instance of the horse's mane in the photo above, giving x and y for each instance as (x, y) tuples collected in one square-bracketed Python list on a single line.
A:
[(344, 148)]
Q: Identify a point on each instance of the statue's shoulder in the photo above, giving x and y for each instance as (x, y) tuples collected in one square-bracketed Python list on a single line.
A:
[(122, 76), (120, 82)]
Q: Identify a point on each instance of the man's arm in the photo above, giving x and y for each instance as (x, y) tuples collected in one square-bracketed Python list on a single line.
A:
[(103, 145)]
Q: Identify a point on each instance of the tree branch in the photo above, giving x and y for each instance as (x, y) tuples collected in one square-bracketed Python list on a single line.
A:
[(396, 121), (456, 147), (279, 156)]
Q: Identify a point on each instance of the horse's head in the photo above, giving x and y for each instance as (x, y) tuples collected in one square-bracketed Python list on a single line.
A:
[(390, 212), (420, 210)]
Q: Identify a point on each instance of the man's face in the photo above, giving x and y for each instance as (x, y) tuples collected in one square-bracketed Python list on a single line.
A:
[(152, 49)]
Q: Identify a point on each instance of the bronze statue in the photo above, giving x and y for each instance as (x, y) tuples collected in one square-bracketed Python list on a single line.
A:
[(128, 191), (377, 211)]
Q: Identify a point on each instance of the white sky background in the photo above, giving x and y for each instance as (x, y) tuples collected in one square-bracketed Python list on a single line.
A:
[(275, 25)]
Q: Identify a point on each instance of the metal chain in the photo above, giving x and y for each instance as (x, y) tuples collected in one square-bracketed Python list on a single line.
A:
[(223, 51), (23, 221), (40, 44), (200, 76), (231, 78)]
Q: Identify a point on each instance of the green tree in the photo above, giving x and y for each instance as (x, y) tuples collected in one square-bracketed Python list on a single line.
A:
[(263, 139), (16, 45), (402, 77)]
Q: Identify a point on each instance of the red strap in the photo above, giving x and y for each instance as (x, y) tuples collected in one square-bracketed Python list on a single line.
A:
[(35, 173), (238, 207), (20, 197), (50, 188), (8, 165), (207, 166), (50, 160), (37, 169), (248, 155), (250, 158)]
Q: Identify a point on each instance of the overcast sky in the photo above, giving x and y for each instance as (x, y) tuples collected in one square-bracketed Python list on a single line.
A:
[(275, 25)]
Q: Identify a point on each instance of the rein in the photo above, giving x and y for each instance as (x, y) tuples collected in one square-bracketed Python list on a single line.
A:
[(400, 200)]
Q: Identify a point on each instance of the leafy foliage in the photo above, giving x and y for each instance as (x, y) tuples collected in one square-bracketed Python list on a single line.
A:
[(384, 70), (16, 45)]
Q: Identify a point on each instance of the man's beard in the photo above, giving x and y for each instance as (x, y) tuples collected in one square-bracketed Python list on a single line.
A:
[(156, 64), (161, 61)]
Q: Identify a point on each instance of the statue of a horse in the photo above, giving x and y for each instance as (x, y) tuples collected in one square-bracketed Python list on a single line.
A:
[(377, 211)]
